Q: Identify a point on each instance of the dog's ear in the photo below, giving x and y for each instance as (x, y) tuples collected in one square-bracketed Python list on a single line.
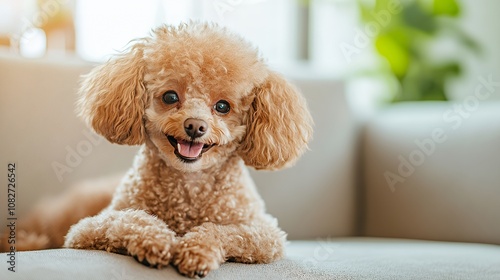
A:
[(279, 125), (112, 98)]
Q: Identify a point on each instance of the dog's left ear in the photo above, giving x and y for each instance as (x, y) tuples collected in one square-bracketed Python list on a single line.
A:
[(279, 125)]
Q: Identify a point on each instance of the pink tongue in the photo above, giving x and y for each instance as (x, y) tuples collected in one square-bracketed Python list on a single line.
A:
[(189, 149)]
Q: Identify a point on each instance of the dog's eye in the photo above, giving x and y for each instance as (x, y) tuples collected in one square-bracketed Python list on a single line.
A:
[(170, 97), (222, 106)]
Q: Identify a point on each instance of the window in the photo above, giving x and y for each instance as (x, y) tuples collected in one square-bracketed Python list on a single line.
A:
[(285, 31)]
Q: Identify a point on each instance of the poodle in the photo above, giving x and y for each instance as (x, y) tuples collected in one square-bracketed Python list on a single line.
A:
[(203, 105)]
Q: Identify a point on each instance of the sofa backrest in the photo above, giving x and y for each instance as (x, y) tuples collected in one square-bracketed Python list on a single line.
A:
[(318, 197)]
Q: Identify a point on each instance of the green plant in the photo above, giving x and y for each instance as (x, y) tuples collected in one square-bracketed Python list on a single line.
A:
[(406, 44)]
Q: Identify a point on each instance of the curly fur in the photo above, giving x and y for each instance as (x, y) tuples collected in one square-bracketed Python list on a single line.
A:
[(192, 214)]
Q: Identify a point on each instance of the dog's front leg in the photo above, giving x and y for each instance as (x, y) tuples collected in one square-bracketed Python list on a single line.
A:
[(134, 232), (205, 247)]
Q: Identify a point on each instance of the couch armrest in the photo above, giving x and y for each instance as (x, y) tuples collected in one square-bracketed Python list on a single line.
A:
[(432, 171)]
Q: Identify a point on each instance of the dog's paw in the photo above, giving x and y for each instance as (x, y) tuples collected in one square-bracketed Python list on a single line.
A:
[(152, 253), (196, 260)]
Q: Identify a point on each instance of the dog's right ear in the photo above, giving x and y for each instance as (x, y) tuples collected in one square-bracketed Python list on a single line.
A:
[(112, 98)]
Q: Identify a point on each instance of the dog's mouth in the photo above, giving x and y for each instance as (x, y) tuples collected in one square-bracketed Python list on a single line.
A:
[(188, 151)]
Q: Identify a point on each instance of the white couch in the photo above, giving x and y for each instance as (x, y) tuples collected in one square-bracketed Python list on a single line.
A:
[(440, 219)]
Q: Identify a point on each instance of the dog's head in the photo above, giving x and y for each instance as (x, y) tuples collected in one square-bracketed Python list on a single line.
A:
[(199, 95)]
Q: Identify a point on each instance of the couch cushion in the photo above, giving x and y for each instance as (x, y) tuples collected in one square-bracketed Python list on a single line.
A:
[(344, 258), (432, 172)]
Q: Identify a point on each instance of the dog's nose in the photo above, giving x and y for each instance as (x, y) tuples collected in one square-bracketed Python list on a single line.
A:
[(195, 127)]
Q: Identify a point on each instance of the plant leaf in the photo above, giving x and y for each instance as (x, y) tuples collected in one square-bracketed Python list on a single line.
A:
[(415, 16), (446, 8), (396, 54)]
